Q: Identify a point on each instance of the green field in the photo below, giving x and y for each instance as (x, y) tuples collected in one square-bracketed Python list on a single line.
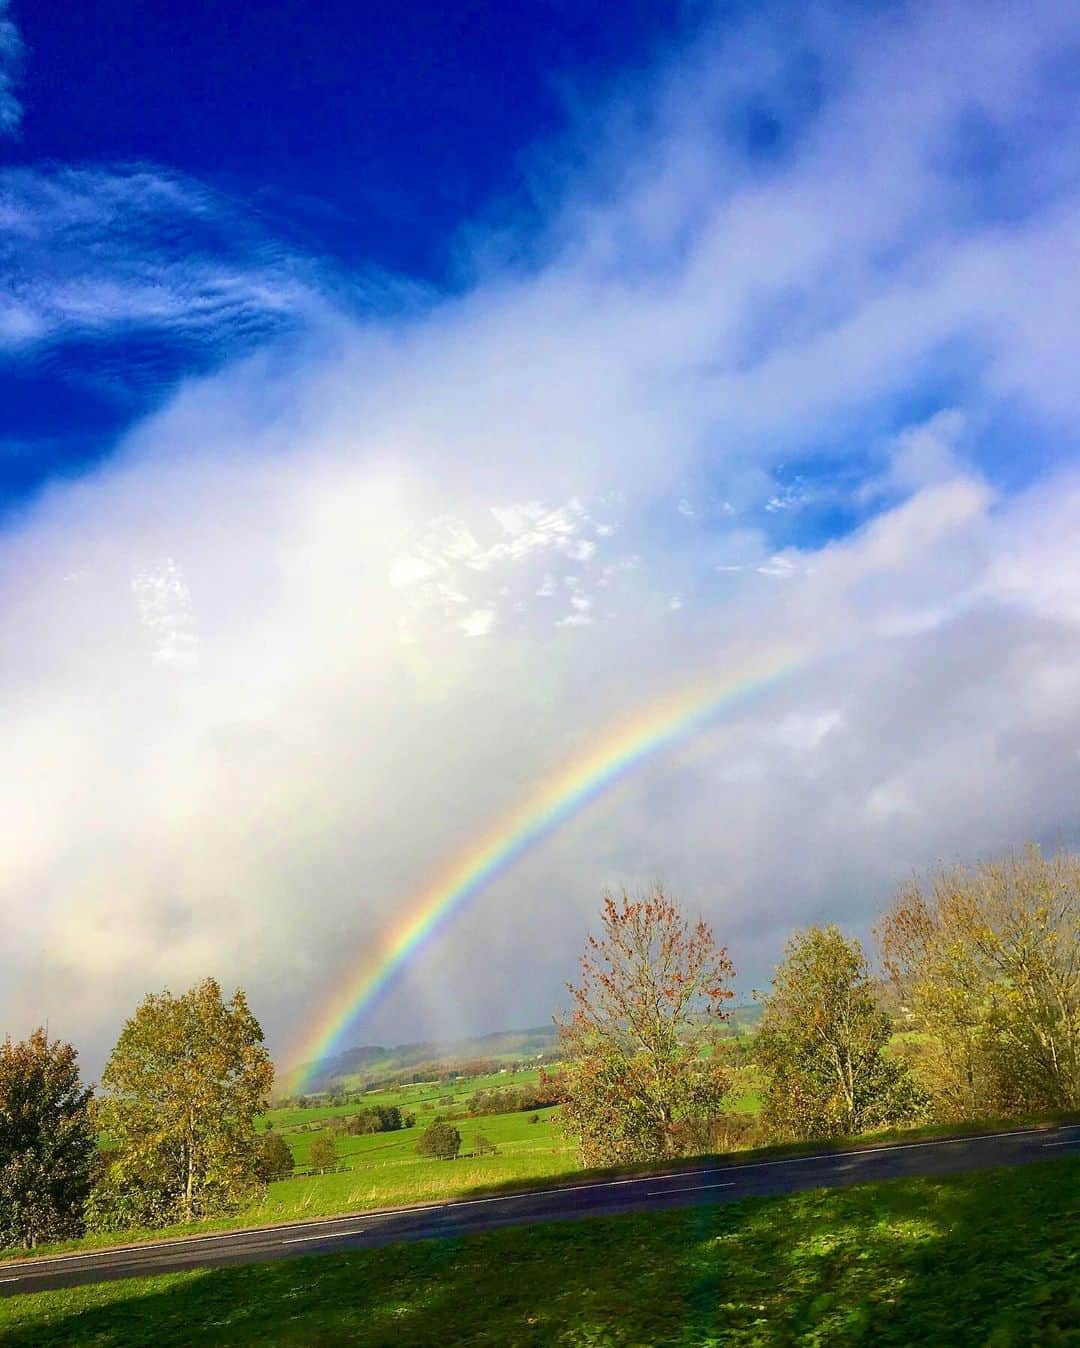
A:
[(983, 1259), (424, 1099), (383, 1169)]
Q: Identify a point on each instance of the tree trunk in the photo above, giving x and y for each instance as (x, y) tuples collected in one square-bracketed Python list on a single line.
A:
[(189, 1193)]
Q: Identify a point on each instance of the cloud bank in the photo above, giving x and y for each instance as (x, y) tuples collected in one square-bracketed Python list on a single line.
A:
[(780, 355)]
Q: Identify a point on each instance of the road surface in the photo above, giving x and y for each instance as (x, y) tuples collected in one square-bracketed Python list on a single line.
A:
[(710, 1184)]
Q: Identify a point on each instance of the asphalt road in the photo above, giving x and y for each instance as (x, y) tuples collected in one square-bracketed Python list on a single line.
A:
[(713, 1184)]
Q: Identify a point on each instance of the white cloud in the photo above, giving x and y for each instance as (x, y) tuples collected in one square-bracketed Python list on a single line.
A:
[(164, 604), (92, 253), (478, 623)]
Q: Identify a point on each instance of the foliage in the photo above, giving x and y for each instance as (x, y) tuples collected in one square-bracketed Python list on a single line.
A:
[(181, 1091), (821, 1041), (47, 1141), (273, 1158), (985, 1260), (549, 1090), (638, 1041), (376, 1119), (986, 963), (441, 1140), (483, 1146), (324, 1152)]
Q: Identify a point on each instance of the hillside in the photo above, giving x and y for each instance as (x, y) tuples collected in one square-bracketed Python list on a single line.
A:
[(369, 1065)]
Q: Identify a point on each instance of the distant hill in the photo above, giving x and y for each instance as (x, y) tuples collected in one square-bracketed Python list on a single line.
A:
[(371, 1064)]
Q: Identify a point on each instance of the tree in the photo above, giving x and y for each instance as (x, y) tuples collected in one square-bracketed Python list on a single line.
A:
[(47, 1141), (639, 1042), (483, 1146), (986, 963), (181, 1091), (441, 1140), (324, 1152), (273, 1157), (821, 1040)]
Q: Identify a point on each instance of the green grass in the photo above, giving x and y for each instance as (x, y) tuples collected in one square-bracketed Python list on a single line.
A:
[(383, 1171), (983, 1259)]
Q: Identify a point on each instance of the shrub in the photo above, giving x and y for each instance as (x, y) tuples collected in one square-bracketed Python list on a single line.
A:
[(273, 1160), (324, 1152), (441, 1140)]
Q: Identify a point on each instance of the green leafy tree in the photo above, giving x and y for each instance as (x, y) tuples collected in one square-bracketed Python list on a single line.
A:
[(324, 1153), (441, 1140), (273, 1158), (483, 1146), (985, 962), (821, 1040), (47, 1141), (181, 1091), (640, 1042)]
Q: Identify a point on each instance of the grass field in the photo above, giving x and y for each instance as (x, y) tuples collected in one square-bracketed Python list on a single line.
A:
[(984, 1259), (383, 1169)]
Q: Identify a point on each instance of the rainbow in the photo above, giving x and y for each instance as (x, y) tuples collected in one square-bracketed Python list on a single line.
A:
[(543, 811)]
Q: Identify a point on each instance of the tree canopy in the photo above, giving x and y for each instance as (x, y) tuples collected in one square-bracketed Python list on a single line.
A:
[(274, 1158), (441, 1140), (47, 1141), (821, 1041), (180, 1093), (986, 963), (638, 1042)]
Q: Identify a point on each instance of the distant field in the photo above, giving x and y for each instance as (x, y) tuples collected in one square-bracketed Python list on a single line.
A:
[(424, 1099), (982, 1259)]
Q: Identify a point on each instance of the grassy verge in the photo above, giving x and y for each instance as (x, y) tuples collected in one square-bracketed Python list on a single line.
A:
[(988, 1259)]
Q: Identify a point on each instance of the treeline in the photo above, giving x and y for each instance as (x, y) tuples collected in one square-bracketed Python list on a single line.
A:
[(549, 1089), (376, 1119), (974, 1013)]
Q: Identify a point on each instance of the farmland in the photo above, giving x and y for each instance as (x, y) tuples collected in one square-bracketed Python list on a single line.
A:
[(383, 1169)]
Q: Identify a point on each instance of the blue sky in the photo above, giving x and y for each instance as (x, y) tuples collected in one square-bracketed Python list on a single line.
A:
[(365, 140), (395, 403)]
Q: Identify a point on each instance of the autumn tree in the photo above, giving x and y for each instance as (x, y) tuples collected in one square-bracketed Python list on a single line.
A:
[(47, 1141), (180, 1093), (986, 963), (639, 1041), (821, 1041)]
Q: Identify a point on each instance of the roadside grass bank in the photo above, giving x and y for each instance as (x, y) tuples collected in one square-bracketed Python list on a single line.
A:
[(385, 1172), (984, 1258)]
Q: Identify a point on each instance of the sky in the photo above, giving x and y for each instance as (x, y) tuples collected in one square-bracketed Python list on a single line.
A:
[(398, 402)]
